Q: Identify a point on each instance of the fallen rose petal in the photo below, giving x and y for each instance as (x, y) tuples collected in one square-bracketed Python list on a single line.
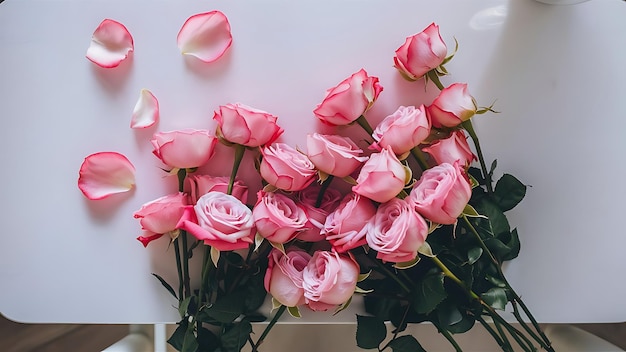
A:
[(105, 173), (110, 44), (206, 36), (146, 112)]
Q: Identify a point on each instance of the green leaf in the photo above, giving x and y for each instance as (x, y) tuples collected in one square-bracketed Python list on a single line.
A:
[(183, 338), (430, 292), (494, 164), (514, 245), (166, 285), (497, 222), (254, 294), (294, 312), (183, 306), (473, 254), (466, 323), (370, 331), (495, 297), (235, 338), (448, 313), (227, 308), (207, 340), (406, 343), (509, 192)]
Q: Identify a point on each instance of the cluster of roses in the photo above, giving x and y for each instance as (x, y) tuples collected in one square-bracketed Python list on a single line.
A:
[(386, 209)]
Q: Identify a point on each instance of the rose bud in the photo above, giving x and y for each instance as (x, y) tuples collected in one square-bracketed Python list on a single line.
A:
[(396, 232), (160, 216), (241, 124), (420, 53), (278, 218), (283, 277), (345, 228), (350, 99), (286, 168), (329, 280), (441, 193), (184, 149), (335, 155), (403, 130), (382, 177), (452, 106), (452, 149)]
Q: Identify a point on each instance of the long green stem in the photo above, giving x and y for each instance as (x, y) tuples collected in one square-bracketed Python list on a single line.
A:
[(432, 75), (454, 278), (493, 333), (182, 173), (269, 327), (505, 339), (519, 337), (544, 341), (467, 125), (179, 270), (239, 151)]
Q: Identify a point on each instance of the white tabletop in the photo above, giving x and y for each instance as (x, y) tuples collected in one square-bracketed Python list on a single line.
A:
[(556, 72)]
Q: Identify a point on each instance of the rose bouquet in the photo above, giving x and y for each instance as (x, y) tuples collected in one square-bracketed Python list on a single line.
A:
[(406, 220)]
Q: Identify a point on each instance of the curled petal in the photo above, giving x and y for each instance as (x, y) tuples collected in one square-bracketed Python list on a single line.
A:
[(146, 112), (110, 44), (105, 173), (206, 36)]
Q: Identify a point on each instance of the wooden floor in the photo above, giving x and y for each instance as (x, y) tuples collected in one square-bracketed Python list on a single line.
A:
[(16, 337)]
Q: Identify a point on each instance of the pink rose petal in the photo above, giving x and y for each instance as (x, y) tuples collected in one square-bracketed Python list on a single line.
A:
[(105, 173), (110, 44), (146, 112), (206, 36)]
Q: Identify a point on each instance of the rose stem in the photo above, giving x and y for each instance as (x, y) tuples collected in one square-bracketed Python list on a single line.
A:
[(419, 156), (324, 187), (467, 125), (492, 332), (546, 342), (392, 275), (448, 337), (239, 151), (269, 326), (433, 77), (182, 173), (365, 125), (179, 270)]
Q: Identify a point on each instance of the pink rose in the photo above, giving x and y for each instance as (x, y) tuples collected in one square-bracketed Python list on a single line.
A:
[(329, 279), (382, 177), (452, 106), (247, 126), (403, 130), (441, 194), (317, 215), (199, 185), (451, 149), (184, 149), (160, 216), (220, 220), (283, 278), (396, 232), (345, 228), (349, 99), (278, 218), (334, 155), (286, 168), (420, 53)]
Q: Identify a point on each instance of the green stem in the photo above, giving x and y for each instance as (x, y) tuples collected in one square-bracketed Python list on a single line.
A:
[(239, 151), (269, 327), (454, 278), (448, 337), (323, 188), (179, 270), (544, 341), (528, 330), (493, 333), (519, 337), (182, 173), (432, 75), (467, 125), (505, 339), (362, 121), (392, 276), (420, 158)]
